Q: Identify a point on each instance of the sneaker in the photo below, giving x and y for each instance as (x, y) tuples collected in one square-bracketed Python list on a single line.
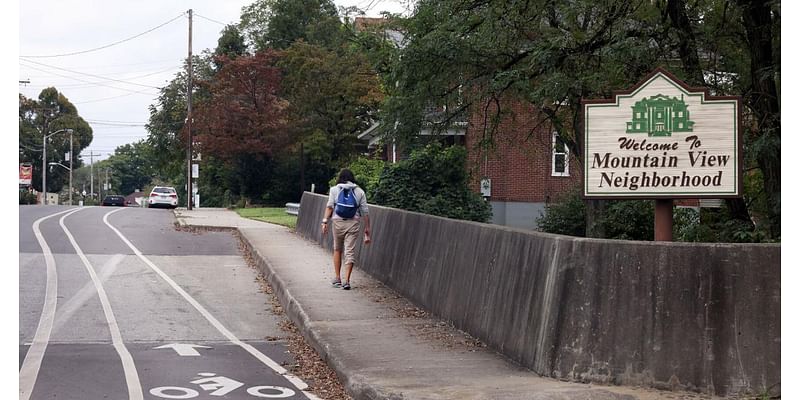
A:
[(337, 283), (346, 286)]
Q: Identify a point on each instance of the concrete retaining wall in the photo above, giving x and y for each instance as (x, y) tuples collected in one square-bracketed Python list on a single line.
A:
[(703, 317)]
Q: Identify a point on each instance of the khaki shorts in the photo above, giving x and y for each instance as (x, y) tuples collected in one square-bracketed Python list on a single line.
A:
[(345, 234)]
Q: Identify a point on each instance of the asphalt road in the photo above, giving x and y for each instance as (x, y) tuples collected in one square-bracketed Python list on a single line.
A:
[(115, 303)]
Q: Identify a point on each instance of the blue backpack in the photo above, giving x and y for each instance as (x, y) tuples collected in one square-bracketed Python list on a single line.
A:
[(346, 203)]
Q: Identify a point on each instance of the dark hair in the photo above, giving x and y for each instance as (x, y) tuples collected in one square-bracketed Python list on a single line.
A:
[(346, 176)]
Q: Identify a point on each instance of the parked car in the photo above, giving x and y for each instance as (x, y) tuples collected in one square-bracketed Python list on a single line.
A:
[(114, 200), (163, 196)]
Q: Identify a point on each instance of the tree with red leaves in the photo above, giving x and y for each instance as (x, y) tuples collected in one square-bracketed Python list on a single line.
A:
[(244, 115)]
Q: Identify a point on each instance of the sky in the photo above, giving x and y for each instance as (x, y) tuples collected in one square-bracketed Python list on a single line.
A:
[(113, 87)]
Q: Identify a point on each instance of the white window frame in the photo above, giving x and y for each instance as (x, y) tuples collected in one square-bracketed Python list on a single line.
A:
[(553, 157)]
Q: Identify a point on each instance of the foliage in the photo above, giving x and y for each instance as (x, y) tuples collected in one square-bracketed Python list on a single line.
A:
[(715, 225), (273, 215), (50, 113), (622, 219), (131, 168), (166, 124), (633, 220), (567, 216), (276, 24), (243, 114), (332, 96), (230, 44), (433, 181), (26, 197), (367, 172), (487, 56)]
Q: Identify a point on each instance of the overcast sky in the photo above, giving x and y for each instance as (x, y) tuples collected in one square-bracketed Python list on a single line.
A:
[(113, 87)]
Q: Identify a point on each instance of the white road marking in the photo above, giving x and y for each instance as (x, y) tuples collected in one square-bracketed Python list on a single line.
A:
[(87, 292), (33, 358), (211, 319), (183, 349), (128, 366)]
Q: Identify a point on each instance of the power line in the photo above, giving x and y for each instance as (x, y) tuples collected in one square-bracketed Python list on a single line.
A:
[(82, 80), (111, 98), (119, 122), (106, 46), (92, 75), (92, 85), (212, 20)]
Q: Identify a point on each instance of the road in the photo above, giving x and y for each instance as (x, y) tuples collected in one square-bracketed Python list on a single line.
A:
[(115, 303)]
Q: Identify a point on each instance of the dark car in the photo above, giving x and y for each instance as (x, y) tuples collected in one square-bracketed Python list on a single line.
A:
[(114, 200)]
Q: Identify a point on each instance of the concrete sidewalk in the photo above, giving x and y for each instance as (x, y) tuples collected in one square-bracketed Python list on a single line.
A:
[(379, 344)]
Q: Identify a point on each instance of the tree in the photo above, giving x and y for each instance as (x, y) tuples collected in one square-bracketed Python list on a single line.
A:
[(166, 134), (433, 180), (132, 167), (243, 121), (332, 97), (50, 113), (484, 56), (277, 24)]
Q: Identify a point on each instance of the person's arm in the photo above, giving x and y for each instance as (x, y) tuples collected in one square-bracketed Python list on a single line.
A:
[(326, 219), (364, 209)]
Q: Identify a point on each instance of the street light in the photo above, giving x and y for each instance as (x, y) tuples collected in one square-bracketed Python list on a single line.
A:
[(51, 164), (44, 164)]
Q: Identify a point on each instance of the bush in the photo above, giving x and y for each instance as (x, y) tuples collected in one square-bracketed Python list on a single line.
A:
[(26, 197), (367, 172), (565, 217), (622, 219), (433, 181)]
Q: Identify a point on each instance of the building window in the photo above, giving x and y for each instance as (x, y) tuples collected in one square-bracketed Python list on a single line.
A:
[(560, 156)]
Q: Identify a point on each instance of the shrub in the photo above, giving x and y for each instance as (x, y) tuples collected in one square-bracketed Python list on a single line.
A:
[(26, 197), (367, 172), (622, 219), (433, 180)]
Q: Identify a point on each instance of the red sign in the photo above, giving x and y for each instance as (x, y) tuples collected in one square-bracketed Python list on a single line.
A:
[(25, 174)]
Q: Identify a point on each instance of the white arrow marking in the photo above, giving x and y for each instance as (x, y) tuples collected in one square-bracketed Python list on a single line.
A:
[(184, 349)]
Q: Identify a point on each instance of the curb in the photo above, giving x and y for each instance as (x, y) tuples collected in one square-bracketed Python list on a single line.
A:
[(356, 385)]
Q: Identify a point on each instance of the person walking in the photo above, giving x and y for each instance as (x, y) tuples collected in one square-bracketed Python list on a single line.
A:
[(346, 208)]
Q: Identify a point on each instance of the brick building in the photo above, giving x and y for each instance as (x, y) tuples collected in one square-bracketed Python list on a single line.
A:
[(527, 167)]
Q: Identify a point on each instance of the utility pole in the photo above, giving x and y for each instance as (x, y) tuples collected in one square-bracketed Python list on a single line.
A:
[(189, 123), (70, 166), (91, 173)]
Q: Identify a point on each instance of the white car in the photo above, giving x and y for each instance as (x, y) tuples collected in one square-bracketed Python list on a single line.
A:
[(163, 196)]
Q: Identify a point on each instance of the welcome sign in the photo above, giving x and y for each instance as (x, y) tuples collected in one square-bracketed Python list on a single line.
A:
[(662, 139)]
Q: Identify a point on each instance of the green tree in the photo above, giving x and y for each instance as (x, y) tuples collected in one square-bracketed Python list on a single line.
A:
[(485, 56), (277, 24), (332, 96), (51, 112), (433, 180), (131, 165)]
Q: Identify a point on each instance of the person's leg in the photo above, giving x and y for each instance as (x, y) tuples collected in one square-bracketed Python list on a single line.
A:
[(350, 238), (338, 246), (337, 265)]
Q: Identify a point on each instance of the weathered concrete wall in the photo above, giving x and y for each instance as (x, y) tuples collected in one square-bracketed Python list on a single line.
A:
[(516, 214), (702, 317)]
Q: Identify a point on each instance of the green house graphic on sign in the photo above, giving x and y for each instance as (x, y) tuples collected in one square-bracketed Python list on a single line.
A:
[(660, 116)]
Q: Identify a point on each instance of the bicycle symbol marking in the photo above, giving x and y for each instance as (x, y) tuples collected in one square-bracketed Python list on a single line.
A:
[(219, 385)]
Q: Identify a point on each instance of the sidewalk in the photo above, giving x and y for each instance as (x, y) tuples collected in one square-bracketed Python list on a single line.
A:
[(378, 343)]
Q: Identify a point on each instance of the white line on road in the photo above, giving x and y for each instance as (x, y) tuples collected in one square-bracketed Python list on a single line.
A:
[(211, 319), (33, 358), (128, 366)]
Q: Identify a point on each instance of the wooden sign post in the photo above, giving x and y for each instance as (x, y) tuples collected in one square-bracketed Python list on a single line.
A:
[(662, 140)]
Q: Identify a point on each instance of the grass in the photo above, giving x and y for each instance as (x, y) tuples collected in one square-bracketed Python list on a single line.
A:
[(273, 215)]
